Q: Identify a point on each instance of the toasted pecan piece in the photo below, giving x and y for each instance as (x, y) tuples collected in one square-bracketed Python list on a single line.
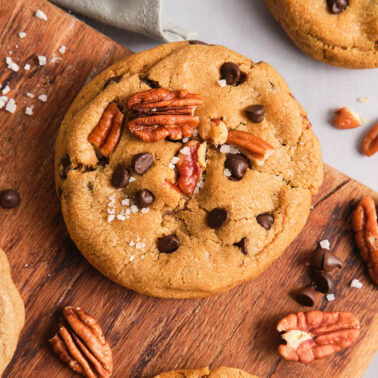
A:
[(346, 119), (369, 145)]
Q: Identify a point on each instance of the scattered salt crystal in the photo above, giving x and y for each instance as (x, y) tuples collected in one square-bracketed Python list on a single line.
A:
[(363, 99), (134, 209), (138, 245), (41, 60), (121, 217), (185, 151), (145, 210), (41, 15), (29, 110), (3, 101), (330, 297), (11, 65), (22, 34), (185, 140), (126, 202), (234, 150), (16, 46), (132, 258), (131, 244), (225, 148), (128, 212), (324, 244), (356, 284), (195, 133), (30, 95), (5, 90), (175, 160), (27, 67), (171, 166), (132, 179), (11, 106), (111, 218), (142, 257), (42, 98), (62, 49), (222, 83), (227, 172), (111, 211), (26, 265)]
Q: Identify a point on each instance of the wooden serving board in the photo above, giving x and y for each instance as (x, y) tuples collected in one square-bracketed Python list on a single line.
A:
[(148, 335)]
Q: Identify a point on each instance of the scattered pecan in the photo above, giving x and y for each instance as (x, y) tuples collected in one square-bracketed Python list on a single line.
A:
[(316, 334), (106, 135), (365, 227), (346, 119), (192, 160), (218, 131), (161, 113), (81, 344), (257, 148), (369, 145)]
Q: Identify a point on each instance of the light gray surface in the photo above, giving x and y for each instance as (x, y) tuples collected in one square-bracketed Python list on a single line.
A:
[(247, 27)]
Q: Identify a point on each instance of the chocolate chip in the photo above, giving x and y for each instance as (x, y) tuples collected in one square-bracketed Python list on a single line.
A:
[(120, 177), (265, 220), (196, 42), (9, 198), (144, 198), (168, 244), (64, 166), (323, 282), (142, 162), (337, 6), (243, 78), (237, 164), (306, 296), (114, 79), (102, 160), (218, 217), (230, 72), (151, 83), (255, 113), (242, 244), (323, 259)]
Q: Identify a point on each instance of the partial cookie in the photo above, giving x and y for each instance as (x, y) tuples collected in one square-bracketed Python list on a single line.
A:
[(199, 214), (339, 32), (12, 314), (222, 372)]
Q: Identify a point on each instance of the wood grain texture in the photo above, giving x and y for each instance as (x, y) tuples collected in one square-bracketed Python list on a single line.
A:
[(148, 335)]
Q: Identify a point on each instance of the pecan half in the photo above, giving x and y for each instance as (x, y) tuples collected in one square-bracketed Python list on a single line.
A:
[(106, 135), (369, 145), (365, 227), (346, 119), (81, 344), (256, 147), (192, 161), (316, 334), (161, 113)]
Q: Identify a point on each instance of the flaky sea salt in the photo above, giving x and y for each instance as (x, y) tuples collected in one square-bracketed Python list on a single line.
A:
[(222, 83), (11, 65), (145, 210), (30, 95), (29, 110), (11, 106), (41, 60), (22, 35), (111, 218), (185, 140), (42, 98), (324, 244), (139, 245), (126, 202), (131, 244), (41, 15), (132, 258), (27, 67), (62, 49), (357, 284), (134, 209), (227, 172), (185, 151), (330, 297), (225, 149), (132, 179), (3, 101), (5, 90), (195, 133)]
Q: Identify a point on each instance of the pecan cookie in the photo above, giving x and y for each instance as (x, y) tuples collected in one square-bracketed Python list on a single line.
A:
[(186, 170), (12, 313), (339, 32), (222, 372)]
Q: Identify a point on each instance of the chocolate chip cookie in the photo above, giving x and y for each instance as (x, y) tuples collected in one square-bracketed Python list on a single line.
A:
[(222, 372), (12, 313), (186, 170), (339, 32)]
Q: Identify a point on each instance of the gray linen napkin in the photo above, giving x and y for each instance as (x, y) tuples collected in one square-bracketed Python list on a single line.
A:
[(140, 16)]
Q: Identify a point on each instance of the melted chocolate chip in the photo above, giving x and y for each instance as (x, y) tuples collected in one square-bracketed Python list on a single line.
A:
[(144, 198), (114, 79), (168, 244), (323, 259), (265, 220), (323, 282), (306, 296), (242, 244), (230, 72), (151, 83), (196, 42), (255, 113), (142, 162), (237, 164), (120, 177), (65, 166), (337, 6), (218, 217), (9, 198)]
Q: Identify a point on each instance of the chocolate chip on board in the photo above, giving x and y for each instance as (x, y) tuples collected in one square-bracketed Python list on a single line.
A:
[(323, 259), (255, 113), (9, 198), (337, 6), (323, 282), (306, 296), (142, 162), (237, 164), (144, 198), (168, 243), (265, 220), (218, 217), (120, 177)]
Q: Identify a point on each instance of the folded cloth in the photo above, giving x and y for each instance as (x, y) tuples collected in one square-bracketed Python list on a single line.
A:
[(140, 16)]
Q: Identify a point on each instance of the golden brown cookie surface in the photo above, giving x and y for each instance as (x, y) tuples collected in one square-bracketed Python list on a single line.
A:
[(266, 208), (12, 313), (339, 32), (222, 372)]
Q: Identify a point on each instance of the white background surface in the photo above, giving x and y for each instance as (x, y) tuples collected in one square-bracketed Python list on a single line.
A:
[(247, 27)]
